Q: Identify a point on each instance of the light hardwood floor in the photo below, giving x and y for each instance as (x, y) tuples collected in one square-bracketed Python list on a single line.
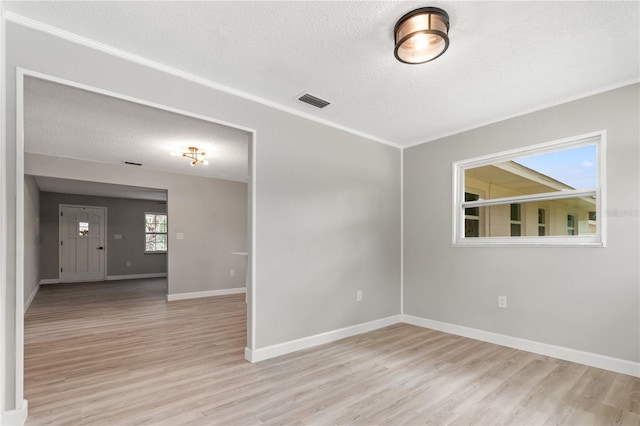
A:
[(117, 354)]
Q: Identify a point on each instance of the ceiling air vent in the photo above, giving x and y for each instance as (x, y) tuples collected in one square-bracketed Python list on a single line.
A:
[(313, 100)]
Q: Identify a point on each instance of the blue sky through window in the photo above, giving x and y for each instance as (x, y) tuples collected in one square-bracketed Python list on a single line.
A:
[(575, 167)]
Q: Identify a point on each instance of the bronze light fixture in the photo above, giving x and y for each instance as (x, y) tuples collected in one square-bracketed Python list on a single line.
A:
[(195, 156), (421, 35)]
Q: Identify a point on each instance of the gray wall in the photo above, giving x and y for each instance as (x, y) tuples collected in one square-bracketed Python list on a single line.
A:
[(313, 182), (211, 213), (124, 217), (581, 298), (32, 232), (328, 225), (327, 201)]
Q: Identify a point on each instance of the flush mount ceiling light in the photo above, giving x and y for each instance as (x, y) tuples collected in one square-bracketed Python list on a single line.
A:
[(195, 156), (421, 35)]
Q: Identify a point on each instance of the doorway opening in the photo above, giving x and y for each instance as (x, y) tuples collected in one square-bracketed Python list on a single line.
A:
[(127, 158)]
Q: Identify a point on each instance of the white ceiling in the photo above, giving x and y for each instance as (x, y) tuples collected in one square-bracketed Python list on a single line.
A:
[(69, 186), (69, 122), (505, 58)]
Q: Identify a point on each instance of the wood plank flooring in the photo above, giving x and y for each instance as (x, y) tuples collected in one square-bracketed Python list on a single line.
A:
[(116, 353)]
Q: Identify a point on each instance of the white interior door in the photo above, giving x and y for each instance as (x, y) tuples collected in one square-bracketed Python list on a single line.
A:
[(82, 243)]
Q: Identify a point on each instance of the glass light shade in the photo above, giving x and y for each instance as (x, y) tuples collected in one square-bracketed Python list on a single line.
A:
[(421, 35)]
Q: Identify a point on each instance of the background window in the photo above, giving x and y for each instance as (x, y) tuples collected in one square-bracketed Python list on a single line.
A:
[(542, 220), (516, 221), (83, 229), (571, 225), (155, 228), (471, 217)]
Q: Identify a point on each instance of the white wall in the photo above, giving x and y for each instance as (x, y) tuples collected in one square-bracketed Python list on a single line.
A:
[(31, 237), (327, 201), (580, 298), (211, 213)]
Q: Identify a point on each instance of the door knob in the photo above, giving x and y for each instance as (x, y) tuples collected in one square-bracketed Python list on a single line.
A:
[(100, 248)]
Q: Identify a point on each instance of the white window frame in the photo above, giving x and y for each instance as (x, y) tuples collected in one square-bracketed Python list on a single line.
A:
[(598, 240), (155, 233)]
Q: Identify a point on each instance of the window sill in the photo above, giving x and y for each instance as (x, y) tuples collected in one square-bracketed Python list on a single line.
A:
[(508, 242), (155, 252)]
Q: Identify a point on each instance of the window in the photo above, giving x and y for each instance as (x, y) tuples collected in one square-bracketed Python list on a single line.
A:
[(542, 221), (83, 229), (571, 228), (471, 217), (516, 224), (547, 194), (155, 228)]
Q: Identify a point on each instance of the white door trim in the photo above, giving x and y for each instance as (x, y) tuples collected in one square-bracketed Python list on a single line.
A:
[(4, 229), (104, 238)]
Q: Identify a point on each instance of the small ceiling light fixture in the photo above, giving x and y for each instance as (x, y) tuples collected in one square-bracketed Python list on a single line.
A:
[(421, 35), (195, 156)]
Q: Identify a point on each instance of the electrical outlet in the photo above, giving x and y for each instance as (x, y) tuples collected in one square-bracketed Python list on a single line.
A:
[(359, 295), (232, 273), (128, 263), (502, 302)]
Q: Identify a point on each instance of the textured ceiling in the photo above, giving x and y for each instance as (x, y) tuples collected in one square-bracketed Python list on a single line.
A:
[(70, 186), (505, 58), (68, 122)]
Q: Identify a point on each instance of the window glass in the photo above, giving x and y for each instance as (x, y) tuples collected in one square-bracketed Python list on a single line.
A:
[(532, 194), (537, 174), (571, 229), (516, 228), (501, 224), (83, 229), (155, 225), (542, 222), (472, 216), (574, 167)]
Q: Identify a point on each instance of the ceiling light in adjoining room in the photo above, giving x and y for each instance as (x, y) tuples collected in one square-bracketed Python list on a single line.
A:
[(421, 35), (195, 156)]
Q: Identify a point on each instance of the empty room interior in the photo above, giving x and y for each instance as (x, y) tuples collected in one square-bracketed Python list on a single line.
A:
[(320, 212)]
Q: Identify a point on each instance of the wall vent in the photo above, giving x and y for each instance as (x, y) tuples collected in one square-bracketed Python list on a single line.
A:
[(312, 100), (131, 163)]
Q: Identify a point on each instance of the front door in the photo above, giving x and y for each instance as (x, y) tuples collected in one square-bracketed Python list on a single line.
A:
[(82, 248)]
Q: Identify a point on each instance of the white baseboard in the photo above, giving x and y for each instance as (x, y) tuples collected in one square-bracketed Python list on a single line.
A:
[(587, 358), (113, 277), (30, 299), (15, 417), (136, 276), (272, 351), (581, 357), (207, 293)]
